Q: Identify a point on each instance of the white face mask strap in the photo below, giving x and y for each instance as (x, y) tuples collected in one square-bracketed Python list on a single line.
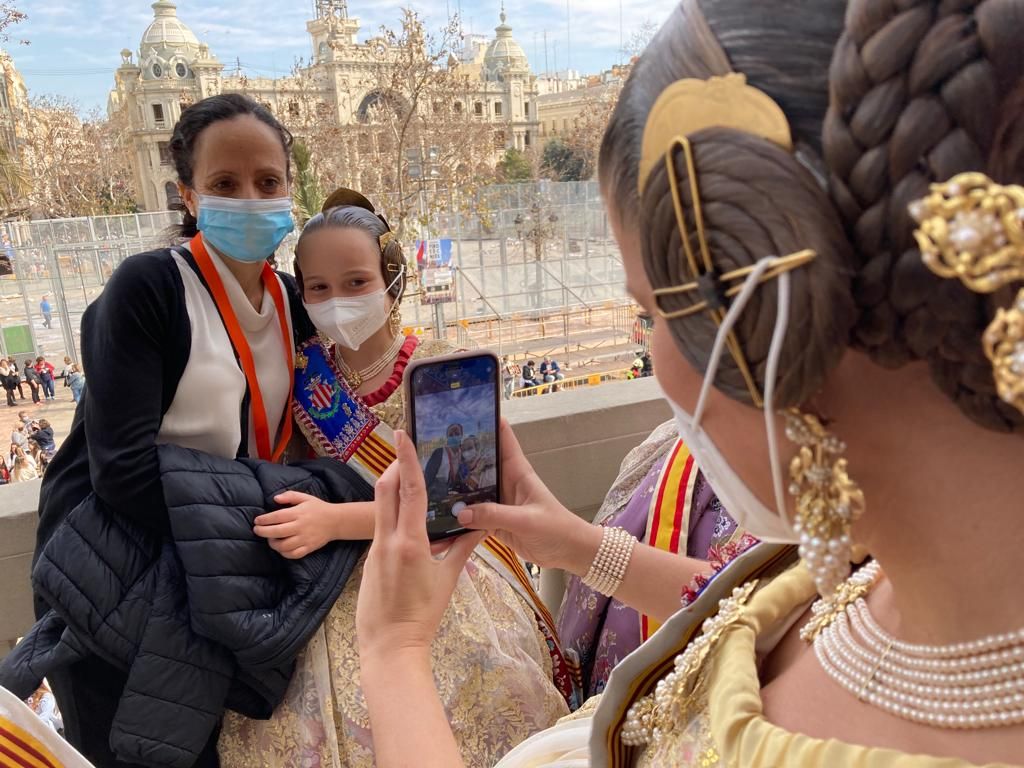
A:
[(771, 376), (401, 271), (731, 317)]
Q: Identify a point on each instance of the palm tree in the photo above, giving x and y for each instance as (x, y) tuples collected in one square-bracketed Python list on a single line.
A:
[(306, 193)]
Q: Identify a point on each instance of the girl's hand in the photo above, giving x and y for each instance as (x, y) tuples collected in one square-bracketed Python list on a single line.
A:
[(532, 521), (310, 523), (405, 590)]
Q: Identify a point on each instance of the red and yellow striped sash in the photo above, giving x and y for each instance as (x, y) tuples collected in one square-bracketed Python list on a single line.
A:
[(19, 749), (669, 521), (375, 453)]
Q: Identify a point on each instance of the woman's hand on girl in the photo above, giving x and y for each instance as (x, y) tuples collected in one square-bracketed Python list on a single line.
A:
[(532, 521), (405, 590)]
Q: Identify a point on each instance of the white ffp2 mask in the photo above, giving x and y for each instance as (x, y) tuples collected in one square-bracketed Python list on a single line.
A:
[(737, 498), (351, 320)]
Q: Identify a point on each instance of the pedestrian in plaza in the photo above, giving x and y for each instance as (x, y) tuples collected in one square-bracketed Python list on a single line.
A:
[(24, 467), (530, 375), (45, 371), (19, 438), (14, 367), (66, 370), (76, 381), (42, 443), (551, 371), (510, 373), (162, 324), (34, 380), (9, 379), (47, 310)]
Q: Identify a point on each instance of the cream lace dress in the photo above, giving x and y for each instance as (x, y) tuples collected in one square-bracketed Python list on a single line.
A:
[(491, 665)]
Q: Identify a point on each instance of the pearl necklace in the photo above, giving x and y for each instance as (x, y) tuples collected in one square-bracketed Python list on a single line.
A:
[(977, 684), (357, 378)]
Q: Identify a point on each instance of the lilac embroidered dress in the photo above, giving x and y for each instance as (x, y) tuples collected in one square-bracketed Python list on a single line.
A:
[(601, 631)]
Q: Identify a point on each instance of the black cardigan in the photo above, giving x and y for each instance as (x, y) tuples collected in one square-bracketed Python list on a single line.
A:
[(139, 325)]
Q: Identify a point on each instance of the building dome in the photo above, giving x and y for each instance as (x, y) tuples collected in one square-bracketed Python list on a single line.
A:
[(168, 46), (504, 54)]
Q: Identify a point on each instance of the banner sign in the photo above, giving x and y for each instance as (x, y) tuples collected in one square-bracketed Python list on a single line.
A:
[(436, 270)]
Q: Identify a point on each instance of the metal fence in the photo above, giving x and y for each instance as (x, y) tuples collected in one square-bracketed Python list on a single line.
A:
[(501, 285)]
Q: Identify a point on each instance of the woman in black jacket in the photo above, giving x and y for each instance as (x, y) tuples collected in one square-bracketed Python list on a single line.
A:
[(35, 382), (207, 330)]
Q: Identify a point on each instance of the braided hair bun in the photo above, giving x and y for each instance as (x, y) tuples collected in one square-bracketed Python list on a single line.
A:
[(884, 97), (922, 91)]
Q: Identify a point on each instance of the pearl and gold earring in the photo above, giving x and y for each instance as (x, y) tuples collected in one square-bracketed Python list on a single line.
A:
[(827, 501)]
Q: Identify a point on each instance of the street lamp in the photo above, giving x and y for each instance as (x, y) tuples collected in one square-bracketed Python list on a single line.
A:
[(534, 227)]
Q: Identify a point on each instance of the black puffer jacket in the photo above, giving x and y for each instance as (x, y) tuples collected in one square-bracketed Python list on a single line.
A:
[(206, 619)]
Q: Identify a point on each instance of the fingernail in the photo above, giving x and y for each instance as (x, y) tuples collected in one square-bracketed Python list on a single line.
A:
[(466, 516), (399, 438)]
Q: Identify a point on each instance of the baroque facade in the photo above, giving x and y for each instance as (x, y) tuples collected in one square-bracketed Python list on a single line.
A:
[(173, 69)]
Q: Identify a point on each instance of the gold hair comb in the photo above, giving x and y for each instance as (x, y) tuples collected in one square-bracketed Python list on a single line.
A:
[(972, 229), (712, 287), (691, 105)]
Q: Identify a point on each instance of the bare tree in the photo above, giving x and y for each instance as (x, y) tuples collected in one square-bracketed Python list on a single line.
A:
[(639, 39), (75, 167), (9, 16), (418, 144), (584, 139)]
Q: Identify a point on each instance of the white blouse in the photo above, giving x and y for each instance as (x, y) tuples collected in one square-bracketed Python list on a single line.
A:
[(206, 411)]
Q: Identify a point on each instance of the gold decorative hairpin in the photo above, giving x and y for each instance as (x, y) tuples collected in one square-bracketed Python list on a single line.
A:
[(691, 105), (972, 229), (712, 287)]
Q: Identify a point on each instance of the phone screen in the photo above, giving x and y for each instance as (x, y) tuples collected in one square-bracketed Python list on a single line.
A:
[(454, 416)]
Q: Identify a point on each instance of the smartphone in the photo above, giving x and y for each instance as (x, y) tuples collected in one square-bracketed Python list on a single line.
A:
[(453, 410)]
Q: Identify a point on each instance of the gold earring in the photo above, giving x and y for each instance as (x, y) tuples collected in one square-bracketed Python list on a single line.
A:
[(395, 319), (827, 501), (972, 229)]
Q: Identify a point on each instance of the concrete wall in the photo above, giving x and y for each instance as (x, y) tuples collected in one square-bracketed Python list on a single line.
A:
[(18, 504), (575, 440)]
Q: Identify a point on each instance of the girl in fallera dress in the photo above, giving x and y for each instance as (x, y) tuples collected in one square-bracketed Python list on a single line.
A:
[(820, 203), (496, 658)]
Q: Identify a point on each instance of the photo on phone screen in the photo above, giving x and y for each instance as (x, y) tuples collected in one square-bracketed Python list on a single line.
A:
[(454, 419)]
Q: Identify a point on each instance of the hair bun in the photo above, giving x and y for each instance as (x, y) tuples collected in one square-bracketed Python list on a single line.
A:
[(757, 200), (345, 196)]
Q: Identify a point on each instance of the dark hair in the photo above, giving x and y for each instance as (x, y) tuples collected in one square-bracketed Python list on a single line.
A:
[(883, 99), (346, 209), (200, 116)]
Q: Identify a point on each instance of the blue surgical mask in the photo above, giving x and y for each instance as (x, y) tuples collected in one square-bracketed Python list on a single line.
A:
[(245, 230), (454, 442)]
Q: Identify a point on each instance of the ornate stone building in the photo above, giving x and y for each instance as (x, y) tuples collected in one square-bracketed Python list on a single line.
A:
[(173, 69), (13, 104)]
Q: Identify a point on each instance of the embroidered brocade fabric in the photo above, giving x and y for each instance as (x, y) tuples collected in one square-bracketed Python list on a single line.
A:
[(491, 665)]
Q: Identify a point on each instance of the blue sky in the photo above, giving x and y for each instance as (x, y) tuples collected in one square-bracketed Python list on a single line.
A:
[(75, 44)]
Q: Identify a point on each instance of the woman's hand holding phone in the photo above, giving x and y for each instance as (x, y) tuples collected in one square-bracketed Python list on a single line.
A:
[(402, 598), (405, 590), (532, 521)]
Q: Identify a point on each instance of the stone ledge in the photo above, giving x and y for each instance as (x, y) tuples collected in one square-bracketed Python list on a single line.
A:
[(575, 440)]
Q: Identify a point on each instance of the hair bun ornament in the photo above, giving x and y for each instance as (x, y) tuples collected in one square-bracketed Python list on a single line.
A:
[(691, 105), (345, 196), (972, 229)]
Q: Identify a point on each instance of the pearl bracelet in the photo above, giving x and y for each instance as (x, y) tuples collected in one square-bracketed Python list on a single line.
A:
[(609, 567)]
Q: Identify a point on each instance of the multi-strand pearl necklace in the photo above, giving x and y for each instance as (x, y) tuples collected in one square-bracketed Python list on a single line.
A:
[(356, 378), (978, 684)]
